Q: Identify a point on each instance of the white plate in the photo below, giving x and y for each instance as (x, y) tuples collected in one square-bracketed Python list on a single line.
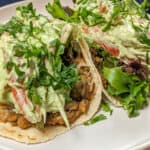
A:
[(118, 132)]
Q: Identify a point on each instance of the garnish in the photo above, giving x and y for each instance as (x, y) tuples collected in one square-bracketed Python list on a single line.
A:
[(57, 11), (118, 11), (134, 8), (96, 119), (142, 33), (130, 90), (13, 26), (106, 107), (90, 18)]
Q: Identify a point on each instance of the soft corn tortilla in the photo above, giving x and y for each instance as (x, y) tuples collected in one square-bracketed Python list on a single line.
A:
[(34, 135), (85, 50)]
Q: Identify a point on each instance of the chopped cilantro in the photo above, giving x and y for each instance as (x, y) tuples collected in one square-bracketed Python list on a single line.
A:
[(106, 107), (13, 26), (141, 33), (118, 11), (34, 96), (96, 119), (27, 11)]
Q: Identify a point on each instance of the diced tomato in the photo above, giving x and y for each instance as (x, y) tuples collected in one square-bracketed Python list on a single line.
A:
[(85, 29), (18, 100), (112, 50), (102, 9), (21, 98)]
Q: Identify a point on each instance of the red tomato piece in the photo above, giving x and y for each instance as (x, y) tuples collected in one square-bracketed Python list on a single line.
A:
[(21, 98), (85, 29), (112, 50)]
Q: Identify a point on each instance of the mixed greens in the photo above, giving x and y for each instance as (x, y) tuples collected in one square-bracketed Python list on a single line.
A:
[(98, 12), (128, 88)]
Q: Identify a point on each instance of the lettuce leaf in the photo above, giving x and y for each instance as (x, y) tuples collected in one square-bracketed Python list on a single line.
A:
[(57, 11), (106, 107), (128, 88), (118, 80)]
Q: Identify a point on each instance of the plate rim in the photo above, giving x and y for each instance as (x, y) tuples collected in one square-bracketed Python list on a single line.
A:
[(138, 146)]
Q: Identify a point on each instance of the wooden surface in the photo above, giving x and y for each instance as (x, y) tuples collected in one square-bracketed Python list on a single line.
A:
[(147, 148)]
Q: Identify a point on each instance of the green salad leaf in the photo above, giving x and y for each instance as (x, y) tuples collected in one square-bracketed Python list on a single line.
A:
[(57, 11), (106, 107), (96, 119), (128, 88), (118, 79)]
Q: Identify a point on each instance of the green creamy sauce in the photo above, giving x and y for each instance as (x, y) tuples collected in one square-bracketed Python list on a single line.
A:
[(4, 97), (124, 37), (118, 28), (3, 82), (94, 6), (44, 32)]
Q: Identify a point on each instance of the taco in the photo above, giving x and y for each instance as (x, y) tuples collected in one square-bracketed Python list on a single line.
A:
[(117, 33), (48, 83)]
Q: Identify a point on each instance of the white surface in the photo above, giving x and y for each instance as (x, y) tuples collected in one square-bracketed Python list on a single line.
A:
[(118, 132)]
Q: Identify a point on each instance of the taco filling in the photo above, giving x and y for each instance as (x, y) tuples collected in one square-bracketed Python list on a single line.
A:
[(119, 42), (125, 80), (117, 34), (44, 80)]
